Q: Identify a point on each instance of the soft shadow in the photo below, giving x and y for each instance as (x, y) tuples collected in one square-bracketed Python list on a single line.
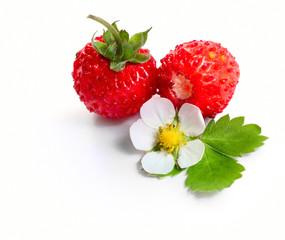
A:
[(108, 122), (125, 144), (203, 194), (76, 118), (142, 172)]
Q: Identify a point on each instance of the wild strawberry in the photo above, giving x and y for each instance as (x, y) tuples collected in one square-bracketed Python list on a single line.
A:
[(199, 72), (112, 75)]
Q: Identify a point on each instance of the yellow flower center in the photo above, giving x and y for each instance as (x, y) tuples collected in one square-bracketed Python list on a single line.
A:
[(170, 138)]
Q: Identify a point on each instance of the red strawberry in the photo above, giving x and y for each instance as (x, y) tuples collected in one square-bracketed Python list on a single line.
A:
[(112, 75), (199, 72)]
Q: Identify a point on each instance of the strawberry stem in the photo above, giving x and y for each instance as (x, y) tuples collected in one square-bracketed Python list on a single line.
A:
[(114, 32), (118, 46)]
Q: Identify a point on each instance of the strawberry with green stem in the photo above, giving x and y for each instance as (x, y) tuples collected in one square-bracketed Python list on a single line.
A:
[(113, 75)]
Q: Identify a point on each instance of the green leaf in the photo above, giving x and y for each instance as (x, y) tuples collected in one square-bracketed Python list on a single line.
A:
[(108, 37), (214, 172), (173, 173), (111, 51), (99, 46), (115, 25), (124, 35), (138, 40), (128, 51), (140, 58), (231, 137), (117, 66)]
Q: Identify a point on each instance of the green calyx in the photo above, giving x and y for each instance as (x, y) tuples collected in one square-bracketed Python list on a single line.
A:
[(118, 46)]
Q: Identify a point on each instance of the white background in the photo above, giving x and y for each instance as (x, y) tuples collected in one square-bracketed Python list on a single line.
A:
[(69, 174)]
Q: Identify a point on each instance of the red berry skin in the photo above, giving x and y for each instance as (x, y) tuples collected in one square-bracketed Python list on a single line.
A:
[(109, 93), (199, 72)]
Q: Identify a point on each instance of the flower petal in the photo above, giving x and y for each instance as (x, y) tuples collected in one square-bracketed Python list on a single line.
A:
[(191, 153), (191, 121), (158, 162), (157, 112), (142, 136)]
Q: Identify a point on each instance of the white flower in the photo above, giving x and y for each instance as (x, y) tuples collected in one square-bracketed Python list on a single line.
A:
[(173, 136)]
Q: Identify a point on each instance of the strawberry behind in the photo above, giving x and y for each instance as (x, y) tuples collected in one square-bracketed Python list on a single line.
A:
[(199, 72)]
